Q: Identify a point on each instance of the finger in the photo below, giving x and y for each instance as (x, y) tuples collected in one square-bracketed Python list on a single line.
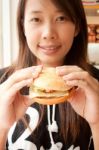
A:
[(23, 74), (29, 101), (91, 96), (85, 76), (14, 89), (81, 84), (63, 70)]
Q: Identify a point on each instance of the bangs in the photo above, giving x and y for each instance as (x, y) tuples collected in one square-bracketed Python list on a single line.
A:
[(67, 8)]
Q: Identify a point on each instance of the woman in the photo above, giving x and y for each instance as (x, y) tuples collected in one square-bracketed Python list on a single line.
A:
[(51, 34)]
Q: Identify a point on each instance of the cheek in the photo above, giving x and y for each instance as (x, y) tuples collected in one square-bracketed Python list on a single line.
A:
[(32, 39), (68, 36), (32, 34), (68, 40)]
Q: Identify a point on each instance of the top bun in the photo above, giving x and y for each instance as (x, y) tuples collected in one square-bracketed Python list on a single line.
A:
[(50, 80)]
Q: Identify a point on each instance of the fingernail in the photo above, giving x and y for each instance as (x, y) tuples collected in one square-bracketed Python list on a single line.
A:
[(37, 68), (58, 70), (65, 77), (29, 81)]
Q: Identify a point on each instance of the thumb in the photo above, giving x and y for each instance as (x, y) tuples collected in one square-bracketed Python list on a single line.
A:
[(28, 101)]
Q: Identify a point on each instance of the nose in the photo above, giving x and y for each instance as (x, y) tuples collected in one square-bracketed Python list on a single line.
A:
[(49, 32)]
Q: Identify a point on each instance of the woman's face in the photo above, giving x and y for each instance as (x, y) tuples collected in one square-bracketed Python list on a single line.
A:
[(49, 32)]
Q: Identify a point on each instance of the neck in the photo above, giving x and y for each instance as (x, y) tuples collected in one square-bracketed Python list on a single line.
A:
[(50, 64)]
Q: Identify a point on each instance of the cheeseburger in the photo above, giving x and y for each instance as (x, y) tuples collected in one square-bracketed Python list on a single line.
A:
[(49, 88)]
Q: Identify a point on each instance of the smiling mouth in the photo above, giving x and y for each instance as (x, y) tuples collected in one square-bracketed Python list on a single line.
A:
[(49, 49)]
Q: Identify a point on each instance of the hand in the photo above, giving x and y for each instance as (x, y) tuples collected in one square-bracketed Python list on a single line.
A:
[(12, 104), (85, 99)]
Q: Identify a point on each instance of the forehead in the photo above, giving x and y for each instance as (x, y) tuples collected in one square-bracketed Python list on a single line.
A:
[(37, 5)]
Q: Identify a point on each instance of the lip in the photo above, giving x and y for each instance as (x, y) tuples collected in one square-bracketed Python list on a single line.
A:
[(49, 49)]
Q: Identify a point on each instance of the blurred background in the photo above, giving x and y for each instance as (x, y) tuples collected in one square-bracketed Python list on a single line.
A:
[(8, 34)]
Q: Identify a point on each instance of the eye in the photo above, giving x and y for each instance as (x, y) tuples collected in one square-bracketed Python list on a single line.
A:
[(61, 19), (35, 20)]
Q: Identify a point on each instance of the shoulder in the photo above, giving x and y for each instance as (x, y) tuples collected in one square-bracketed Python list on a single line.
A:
[(94, 72)]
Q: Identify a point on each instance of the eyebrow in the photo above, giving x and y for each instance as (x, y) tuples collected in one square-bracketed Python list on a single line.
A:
[(37, 11)]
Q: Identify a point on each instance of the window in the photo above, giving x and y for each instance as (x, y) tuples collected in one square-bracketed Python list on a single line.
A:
[(7, 32)]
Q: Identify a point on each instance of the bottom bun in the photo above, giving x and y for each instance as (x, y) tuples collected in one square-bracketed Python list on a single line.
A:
[(50, 101), (54, 100)]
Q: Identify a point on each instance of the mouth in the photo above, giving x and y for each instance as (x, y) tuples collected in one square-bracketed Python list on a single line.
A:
[(50, 49)]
